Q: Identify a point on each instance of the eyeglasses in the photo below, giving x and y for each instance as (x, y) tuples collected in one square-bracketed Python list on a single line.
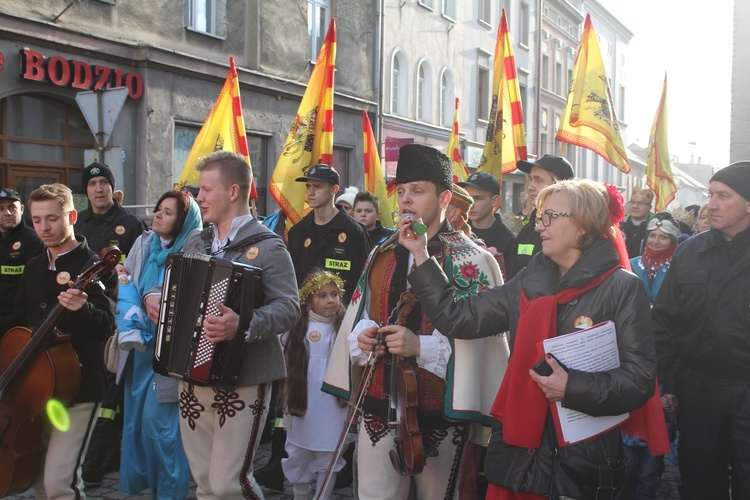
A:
[(640, 203), (546, 218)]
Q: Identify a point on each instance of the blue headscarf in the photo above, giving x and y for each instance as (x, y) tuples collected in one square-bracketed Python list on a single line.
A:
[(152, 273)]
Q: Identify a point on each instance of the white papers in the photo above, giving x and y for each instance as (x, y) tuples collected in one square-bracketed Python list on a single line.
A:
[(590, 350)]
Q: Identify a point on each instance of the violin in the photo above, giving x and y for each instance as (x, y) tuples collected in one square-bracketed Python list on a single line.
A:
[(36, 366), (408, 456)]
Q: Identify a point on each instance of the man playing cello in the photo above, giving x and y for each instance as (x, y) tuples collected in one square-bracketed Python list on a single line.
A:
[(88, 317)]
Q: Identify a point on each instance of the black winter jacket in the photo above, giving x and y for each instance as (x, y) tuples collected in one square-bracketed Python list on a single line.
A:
[(702, 311), (117, 227)]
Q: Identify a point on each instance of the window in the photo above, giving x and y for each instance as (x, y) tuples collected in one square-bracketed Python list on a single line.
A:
[(447, 98), (558, 78), (545, 71), (258, 149), (523, 23), (573, 31), (206, 16), (429, 4), (543, 145), (485, 12), (621, 103), (341, 163), (484, 93), (184, 137), (570, 80), (424, 92), (449, 9), (399, 82), (318, 15)]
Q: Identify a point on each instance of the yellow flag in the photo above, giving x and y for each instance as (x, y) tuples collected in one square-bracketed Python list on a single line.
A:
[(310, 140), (460, 170), (223, 130), (374, 179), (658, 171), (506, 137), (589, 118)]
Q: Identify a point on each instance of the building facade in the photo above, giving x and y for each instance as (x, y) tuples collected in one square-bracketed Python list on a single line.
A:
[(173, 58)]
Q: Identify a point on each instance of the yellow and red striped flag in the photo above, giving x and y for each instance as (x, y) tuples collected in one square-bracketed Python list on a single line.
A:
[(589, 118), (460, 170), (310, 140), (506, 136), (223, 130), (658, 171), (374, 179)]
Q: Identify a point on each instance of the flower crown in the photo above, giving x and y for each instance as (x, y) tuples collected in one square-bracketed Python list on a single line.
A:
[(318, 281)]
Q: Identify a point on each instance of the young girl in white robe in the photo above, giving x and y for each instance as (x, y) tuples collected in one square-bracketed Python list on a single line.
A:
[(313, 419)]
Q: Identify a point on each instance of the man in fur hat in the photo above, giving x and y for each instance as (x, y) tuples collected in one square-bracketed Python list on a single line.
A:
[(454, 389)]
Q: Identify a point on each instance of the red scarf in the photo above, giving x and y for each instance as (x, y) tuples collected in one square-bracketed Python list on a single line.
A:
[(653, 260), (521, 404)]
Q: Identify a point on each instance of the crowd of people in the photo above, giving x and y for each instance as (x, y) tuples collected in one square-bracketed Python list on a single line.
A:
[(402, 360)]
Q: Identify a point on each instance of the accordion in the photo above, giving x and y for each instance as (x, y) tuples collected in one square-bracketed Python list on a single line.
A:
[(193, 283)]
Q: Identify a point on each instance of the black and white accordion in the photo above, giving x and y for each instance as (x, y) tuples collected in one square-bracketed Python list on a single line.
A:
[(193, 283)]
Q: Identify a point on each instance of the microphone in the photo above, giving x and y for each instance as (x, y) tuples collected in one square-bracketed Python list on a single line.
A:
[(414, 225)]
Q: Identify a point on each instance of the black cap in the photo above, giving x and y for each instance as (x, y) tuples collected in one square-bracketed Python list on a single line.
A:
[(97, 169), (484, 181), (559, 166), (321, 172), (419, 162), (736, 176), (9, 194)]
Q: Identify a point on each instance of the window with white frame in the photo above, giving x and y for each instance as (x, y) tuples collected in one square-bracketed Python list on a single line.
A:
[(424, 92), (206, 16), (484, 9), (558, 78), (447, 97), (318, 16), (430, 4), (523, 23), (545, 71), (399, 83), (484, 92), (621, 104), (449, 8)]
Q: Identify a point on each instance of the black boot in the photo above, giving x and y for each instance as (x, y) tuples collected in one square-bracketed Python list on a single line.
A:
[(91, 470), (111, 453), (344, 477), (271, 475)]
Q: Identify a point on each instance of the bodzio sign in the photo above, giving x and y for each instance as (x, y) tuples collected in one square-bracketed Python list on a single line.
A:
[(77, 74)]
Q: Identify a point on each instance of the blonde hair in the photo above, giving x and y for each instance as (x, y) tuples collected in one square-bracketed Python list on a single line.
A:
[(232, 168), (589, 202), (54, 192)]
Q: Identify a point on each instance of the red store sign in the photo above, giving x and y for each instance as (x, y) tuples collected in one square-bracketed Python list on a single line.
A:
[(77, 74)]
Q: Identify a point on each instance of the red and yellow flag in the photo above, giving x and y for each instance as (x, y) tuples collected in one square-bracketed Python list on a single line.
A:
[(658, 171), (506, 137), (374, 178), (223, 130), (589, 118), (310, 140), (460, 170)]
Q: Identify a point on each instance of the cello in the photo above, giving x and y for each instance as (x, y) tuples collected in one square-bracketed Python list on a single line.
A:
[(36, 366)]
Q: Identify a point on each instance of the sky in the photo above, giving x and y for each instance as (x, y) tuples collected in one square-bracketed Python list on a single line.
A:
[(692, 41)]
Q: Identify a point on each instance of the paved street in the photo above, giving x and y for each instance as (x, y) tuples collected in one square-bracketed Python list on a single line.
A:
[(110, 486)]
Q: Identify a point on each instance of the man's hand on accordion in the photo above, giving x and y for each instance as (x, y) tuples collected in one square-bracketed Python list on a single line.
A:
[(220, 328)]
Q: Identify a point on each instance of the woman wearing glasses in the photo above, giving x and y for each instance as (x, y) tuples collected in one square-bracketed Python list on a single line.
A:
[(576, 281)]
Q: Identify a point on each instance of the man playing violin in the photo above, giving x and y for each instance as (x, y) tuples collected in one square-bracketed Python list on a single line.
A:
[(454, 385), (88, 317)]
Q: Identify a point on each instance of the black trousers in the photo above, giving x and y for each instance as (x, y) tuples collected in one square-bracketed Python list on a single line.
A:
[(714, 424)]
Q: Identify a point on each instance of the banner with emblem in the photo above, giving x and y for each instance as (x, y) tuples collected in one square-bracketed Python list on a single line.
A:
[(506, 136), (460, 170), (223, 130), (658, 171), (310, 140), (589, 118), (374, 178)]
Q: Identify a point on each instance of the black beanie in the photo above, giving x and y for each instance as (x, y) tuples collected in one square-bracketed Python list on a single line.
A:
[(737, 177), (97, 169), (417, 162)]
